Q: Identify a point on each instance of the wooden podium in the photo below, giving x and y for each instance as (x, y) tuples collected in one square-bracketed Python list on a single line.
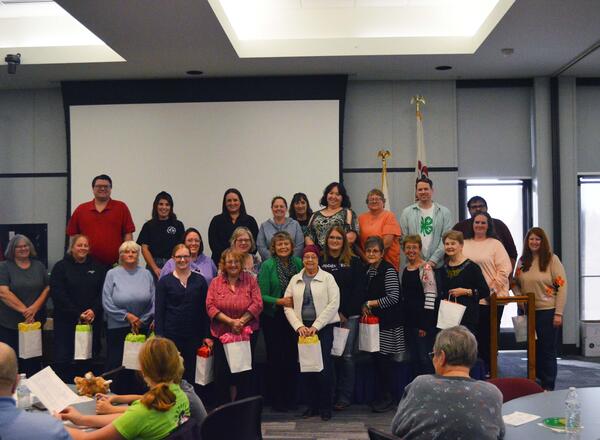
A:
[(529, 300)]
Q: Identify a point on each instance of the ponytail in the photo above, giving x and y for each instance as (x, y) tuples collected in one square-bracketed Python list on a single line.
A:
[(159, 397)]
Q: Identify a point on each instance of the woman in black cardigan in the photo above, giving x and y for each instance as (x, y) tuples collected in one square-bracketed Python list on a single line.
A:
[(76, 290)]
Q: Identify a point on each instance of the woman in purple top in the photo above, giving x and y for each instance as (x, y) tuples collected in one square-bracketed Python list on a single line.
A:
[(200, 262)]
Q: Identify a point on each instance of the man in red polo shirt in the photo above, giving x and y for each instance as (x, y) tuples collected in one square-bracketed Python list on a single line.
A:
[(105, 221)]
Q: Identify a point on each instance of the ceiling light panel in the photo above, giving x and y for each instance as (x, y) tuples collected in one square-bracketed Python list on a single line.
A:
[(271, 28)]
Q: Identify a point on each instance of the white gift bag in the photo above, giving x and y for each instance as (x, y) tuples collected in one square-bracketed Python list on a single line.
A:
[(520, 325), (131, 350), (239, 356), (204, 369), (340, 337), (450, 314), (309, 354), (83, 342), (30, 340), (368, 336)]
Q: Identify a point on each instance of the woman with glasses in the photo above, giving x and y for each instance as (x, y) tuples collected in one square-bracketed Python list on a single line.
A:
[(242, 242), (379, 222), (180, 312), (384, 301), (349, 274), (199, 262), (316, 299)]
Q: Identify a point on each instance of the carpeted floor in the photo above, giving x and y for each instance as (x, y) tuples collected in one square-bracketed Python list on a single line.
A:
[(352, 423)]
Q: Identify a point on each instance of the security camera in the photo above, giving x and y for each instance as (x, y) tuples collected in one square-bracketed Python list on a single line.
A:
[(12, 61)]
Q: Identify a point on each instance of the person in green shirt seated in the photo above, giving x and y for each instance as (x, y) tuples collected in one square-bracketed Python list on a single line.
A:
[(160, 411)]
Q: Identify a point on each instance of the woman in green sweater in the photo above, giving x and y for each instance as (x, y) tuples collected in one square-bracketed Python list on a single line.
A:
[(273, 279)]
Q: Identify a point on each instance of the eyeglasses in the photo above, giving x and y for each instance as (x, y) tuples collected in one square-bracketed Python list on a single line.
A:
[(182, 257), (373, 251), (476, 206), (243, 240), (374, 200), (311, 257), (431, 355)]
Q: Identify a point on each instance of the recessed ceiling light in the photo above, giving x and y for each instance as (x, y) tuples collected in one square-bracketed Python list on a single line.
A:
[(283, 28), (507, 51), (443, 68), (194, 72)]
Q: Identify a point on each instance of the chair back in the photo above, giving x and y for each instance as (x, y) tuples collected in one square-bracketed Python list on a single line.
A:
[(515, 387), (239, 420), (376, 434), (187, 431)]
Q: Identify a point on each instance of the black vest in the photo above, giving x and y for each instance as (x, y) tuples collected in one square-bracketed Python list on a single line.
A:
[(390, 317)]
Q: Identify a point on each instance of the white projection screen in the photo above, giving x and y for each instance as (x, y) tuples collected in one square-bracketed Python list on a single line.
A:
[(195, 151)]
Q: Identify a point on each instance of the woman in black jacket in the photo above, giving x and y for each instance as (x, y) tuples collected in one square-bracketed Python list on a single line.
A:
[(349, 273), (76, 290)]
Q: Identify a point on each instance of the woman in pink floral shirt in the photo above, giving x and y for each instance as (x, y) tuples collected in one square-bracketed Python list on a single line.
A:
[(232, 303)]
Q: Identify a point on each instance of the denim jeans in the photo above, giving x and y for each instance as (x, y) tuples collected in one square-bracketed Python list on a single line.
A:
[(545, 347), (419, 348), (344, 365)]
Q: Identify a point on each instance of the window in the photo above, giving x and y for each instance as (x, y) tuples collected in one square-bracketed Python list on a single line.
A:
[(507, 200), (589, 218)]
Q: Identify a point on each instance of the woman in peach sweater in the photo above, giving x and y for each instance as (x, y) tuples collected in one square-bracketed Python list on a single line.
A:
[(541, 272)]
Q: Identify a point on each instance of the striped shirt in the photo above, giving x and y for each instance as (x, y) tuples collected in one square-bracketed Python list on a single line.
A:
[(221, 298), (391, 341)]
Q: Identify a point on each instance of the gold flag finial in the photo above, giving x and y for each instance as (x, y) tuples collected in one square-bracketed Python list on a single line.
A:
[(384, 155), (418, 100)]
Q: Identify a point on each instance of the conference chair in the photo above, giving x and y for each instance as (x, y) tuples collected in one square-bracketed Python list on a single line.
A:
[(515, 387), (188, 431), (239, 420), (376, 434)]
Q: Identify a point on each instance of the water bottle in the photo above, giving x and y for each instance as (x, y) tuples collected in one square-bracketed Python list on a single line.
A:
[(23, 394), (572, 412)]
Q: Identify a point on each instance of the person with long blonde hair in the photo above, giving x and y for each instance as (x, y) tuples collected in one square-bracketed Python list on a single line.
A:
[(153, 417)]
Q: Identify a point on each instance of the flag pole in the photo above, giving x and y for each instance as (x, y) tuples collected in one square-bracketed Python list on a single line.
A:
[(421, 167), (384, 155)]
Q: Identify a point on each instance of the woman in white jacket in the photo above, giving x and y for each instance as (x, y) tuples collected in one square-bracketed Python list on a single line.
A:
[(316, 298)]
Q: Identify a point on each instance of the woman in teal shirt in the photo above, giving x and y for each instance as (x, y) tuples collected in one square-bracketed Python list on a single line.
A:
[(159, 412), (280, 339)]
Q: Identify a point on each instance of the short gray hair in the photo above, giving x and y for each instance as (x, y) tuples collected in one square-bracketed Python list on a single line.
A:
[(127, 246), (374, 241), (458, 344), (9, 254)]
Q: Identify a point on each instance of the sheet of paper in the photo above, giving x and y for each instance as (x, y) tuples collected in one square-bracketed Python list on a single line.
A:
[(519, 418), (54, 394)]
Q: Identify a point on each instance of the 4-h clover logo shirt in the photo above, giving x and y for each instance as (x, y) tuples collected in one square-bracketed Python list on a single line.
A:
[(426, 228)]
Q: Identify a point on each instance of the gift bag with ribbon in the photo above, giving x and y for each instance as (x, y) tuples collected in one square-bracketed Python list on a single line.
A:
[(30, 340), (83, 342), (450, 314), (368, 333), (237, 350), (204, 365), (340, 337), (309, 354), (131, 350)]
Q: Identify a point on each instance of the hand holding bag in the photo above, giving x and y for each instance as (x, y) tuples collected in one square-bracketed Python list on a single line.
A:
[(309, 354), (204, 366), (368, 333), (237, 350), (450, 314), (30, 339), (131, 350), (83, 342), (340, 337)]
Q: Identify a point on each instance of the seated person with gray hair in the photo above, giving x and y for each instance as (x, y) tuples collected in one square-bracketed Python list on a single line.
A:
[(450, 404), (16, 424)]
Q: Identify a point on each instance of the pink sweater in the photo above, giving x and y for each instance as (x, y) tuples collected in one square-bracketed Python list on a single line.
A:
[(494, 262), (550, 286)]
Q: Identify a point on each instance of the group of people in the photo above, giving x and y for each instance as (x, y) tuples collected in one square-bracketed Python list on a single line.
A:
[(301, 273)]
